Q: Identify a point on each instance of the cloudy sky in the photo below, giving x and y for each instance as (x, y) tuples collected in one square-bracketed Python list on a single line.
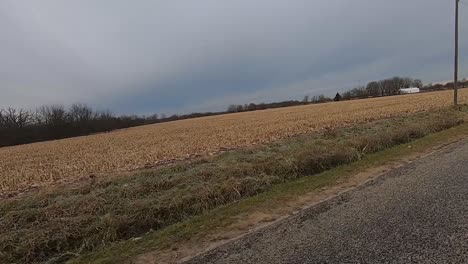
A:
[(177, 56)]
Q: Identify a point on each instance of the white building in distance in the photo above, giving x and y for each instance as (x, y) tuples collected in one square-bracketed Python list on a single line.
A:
[(411, 90)]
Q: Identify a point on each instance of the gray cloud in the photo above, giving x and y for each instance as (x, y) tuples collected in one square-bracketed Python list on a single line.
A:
[(178, 56)]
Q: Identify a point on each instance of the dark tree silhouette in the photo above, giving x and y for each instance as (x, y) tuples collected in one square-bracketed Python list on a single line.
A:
[(337, 97)]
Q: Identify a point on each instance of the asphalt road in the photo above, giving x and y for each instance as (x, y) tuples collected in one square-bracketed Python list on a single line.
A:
[(415, 214)]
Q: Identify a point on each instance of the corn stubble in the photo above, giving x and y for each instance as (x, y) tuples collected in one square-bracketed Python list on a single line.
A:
[(38, 164)]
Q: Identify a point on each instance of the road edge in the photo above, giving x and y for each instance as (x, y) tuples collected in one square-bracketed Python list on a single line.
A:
[(322, 206)]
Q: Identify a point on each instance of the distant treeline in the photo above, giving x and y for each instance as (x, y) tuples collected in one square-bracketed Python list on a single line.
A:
[(439, 87), (387, 87), (263, 106), (392, 86), (20, 126)]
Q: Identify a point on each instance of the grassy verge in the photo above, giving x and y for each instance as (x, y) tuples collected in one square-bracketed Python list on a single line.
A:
[(223, 219), (188, 199)]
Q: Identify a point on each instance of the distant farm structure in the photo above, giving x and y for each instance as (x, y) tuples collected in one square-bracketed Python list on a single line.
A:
[(411, 90)]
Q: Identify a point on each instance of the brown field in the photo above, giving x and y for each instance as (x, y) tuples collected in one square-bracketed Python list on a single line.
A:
[(63, 160)]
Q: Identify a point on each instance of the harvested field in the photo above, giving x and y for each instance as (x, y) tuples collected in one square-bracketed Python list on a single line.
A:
[(47, 162), (70, 220)]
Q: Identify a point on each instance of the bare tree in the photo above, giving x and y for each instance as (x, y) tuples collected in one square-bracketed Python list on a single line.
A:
[(387, 87), (374, 89), (397, 84), (153, 117), (251, 107), (52, 116), (13, 118), (418, 83), (406, 82), (80, 113), (232, 109)]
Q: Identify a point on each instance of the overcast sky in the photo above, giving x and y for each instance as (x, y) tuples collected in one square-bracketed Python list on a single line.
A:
[(176, 56)]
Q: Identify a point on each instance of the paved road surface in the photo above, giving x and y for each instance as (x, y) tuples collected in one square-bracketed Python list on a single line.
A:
[(415, 214)]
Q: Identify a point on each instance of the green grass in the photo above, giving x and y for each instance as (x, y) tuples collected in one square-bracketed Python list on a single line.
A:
[(94, 220)]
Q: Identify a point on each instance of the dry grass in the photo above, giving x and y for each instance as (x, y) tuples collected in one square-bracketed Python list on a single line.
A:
[(60, 222), (43, 163)]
